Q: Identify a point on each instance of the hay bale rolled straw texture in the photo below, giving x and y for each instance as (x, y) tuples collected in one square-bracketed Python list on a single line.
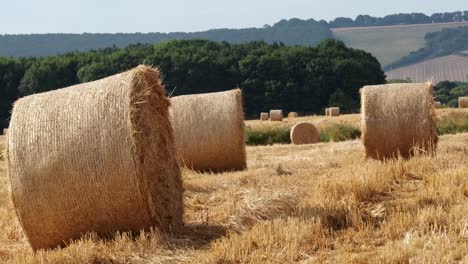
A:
[(463, 102), (209, 130), (276, 115), (98, 156), (264, 116), (334, 111), (304, 133), (293, 115), (396, 119)]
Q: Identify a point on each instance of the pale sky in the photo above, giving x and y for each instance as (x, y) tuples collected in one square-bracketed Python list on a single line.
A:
[(110, 16)]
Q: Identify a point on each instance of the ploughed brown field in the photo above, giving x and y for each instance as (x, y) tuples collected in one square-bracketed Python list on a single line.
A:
[(295, 204), (452, 67)]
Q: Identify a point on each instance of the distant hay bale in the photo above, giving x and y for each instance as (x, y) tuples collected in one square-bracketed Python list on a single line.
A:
[(5, 131), (98, 157), (304, 133), (327, 111), (276, 115), (333, 111), (463, 102), (209, 130), (396, 119), (293, 115), (437, 104), (264, 116)]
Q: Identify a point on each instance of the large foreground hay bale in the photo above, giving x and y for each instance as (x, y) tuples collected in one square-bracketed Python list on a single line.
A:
[(293, 115), (98, 156), (276, 115), (263, 116), (463, 102), (209, 130), (304, 133), (334, 111), (396, 118)]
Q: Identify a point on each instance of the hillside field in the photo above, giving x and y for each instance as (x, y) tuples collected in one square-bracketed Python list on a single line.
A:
[(390, 43), (321, 203), (453, 67)]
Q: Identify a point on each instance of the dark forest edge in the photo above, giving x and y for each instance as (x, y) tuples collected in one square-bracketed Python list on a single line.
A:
[(290, 32), (293, 78)]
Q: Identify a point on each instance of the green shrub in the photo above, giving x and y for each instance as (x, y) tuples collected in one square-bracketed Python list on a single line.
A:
[(452, 125), (339, 132), (267, 136)]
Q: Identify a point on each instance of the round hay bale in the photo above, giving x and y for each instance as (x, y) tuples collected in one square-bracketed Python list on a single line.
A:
[(276, 115), (98, 157), (463, 102), (209, 131), (263, 116), (334, 111), (437, 104), (293, 115), (396, 119), (304, 133), (327, 111)]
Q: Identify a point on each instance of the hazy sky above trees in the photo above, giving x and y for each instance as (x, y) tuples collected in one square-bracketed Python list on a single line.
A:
[(110, 16)]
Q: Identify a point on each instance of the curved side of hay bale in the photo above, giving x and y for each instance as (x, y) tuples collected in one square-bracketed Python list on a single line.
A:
[(304, 133), (293, 115), (209, 130), (396, 119), (276, 115), (91, 158), (463, 102), (264, 116), (334, 111)]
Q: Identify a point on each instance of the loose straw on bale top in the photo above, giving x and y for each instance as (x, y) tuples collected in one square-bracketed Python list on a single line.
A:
[(398, 119), (98, 157), (209, 130)]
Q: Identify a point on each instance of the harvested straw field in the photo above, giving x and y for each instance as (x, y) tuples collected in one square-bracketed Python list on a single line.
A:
[(397, 118), (276, 115), (92, 158), (209, 130), (463, 102), (294, 204)]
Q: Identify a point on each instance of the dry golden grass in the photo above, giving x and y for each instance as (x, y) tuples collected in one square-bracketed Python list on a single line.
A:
[(305, 204)]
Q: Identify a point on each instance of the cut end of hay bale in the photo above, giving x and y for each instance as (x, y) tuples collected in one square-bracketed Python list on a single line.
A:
[(398, 119), (209, 131), (293, 115), (276, 115), (264, 116), (304, 133), (109, 144), (333, 111), (463, 102)]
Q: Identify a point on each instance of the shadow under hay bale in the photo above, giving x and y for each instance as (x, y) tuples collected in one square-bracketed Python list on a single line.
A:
[(209, 131), (463, 102), (304, 133), (264, 116), (398, 119), (96, 157), (276, 115)]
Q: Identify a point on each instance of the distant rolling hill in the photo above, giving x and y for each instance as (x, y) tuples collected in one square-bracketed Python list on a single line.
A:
[(390, 43), (452, 67)]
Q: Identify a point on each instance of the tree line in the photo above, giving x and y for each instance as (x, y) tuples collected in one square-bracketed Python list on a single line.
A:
[(294, 78), (291, 32), (445, 42)]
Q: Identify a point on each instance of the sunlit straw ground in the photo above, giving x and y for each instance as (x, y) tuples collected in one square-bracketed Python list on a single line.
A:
[(305, 204)]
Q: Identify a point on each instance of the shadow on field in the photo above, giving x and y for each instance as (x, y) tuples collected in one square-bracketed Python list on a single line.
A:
[(197, 235)]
